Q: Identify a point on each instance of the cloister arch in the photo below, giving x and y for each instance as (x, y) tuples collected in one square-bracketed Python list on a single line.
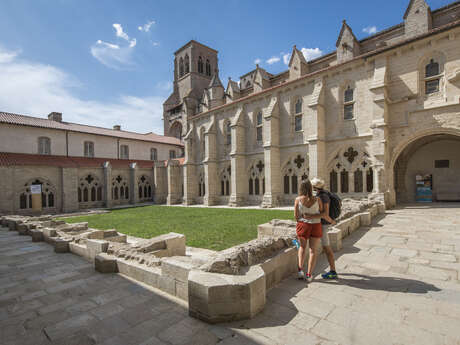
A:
[(421, 155)]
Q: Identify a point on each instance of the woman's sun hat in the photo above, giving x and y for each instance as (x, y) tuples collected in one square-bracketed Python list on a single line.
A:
[(317, 183)]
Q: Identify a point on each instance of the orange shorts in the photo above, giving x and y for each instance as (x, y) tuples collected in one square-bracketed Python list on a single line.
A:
[(307, 230)]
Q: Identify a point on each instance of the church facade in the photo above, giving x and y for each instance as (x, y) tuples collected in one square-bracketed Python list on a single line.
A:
[(370, 118)]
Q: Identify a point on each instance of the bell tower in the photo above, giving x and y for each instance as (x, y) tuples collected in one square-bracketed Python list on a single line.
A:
[(194, 67)]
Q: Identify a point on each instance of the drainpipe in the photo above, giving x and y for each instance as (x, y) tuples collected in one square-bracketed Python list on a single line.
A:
[(118, 148), (67, 143)]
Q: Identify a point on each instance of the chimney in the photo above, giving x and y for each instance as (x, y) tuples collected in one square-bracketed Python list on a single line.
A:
[(54, 116), (117, 128)]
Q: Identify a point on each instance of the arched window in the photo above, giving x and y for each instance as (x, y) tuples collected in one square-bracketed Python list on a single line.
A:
[(181, 67), (286, 184), (333, 183), (344, 181), (348, 104), (208, 68), (186, 64), (23, 201), (295, 189), (85, 194), (93, 193), (251, 190), (79, 194), (115, 193), (143, 185), (225, 181), (50, 199), (256, 178), (89, 149), (47, 195), (358, 177), (153, 154), (256, 186), (99, 193), (200, 65), (370, 180), (259, 127), (228, 133), (298, 115), (432, 77), (122, 192), (44, 146), (140, 192), (126, 192)]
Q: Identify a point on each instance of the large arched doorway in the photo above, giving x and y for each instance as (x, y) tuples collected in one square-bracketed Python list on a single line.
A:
[(435, 157), (176, 130)]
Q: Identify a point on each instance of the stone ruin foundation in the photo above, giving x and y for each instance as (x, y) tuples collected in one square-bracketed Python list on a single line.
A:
[(218, 286)]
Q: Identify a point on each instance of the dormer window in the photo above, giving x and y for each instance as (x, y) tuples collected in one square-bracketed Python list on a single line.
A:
[(432, 77), (298, 115), (259, 127), (348, 104)]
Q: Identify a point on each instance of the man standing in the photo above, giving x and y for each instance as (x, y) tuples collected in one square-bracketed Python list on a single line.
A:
[(327, 222)]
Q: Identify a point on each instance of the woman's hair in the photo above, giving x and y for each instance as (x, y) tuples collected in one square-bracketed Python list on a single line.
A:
[(306, 188)]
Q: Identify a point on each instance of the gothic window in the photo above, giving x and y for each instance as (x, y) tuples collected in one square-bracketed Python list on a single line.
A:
[(259, 127), (153, 154), (47, 196), (23, 201), (256, 178), (344, 181), (298, 115), (208, 68), (201, 185), (85, 194), (126, 192), (89, 189), (225, 181), (294, 184), (181, 67), (79, 194), (251, 191), (256, 186), (144, 188), (120, 190), (44, 146), (172, 154), (89, 149), (228, 133), (432, 77), (286, 184), (186, 64), (200, 65), (348, 104), (333, 183), (358, 177), (124, 152), (370, 180)]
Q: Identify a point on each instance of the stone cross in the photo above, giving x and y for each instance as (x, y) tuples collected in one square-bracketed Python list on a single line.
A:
[(143, 178), (364, 164), (118, 179), (350, 154), (89, 178), (260, 166)]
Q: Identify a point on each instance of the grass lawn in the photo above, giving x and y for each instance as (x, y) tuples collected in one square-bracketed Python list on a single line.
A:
[(211, 228)]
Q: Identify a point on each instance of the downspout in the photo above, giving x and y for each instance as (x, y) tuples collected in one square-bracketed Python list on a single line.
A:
[(67, 143), (118, 148)]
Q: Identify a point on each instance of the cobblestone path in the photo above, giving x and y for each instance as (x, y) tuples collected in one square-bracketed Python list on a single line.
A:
[(399, 284)]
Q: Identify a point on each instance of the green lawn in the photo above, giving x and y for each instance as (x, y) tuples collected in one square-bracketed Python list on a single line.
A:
[(212, 228)]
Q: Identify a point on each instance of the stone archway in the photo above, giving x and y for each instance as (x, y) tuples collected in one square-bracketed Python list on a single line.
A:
[(176, 130), (435, 154)]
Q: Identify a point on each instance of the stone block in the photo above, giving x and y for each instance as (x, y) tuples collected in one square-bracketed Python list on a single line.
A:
[(167, 284), (381, 208), (365, 218), (95, 247), (182, 290), (105, 263), (49, 234), (374, 210), (61, 245), (22, 228), (142, 273), (119, 239), (355, 223), (177, 267), (175, 244), (79, 249), (102, 234), (37, 235), (335, 238), (344, 226)]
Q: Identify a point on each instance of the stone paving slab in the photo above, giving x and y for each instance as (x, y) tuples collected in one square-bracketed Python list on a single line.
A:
[(399, 284)]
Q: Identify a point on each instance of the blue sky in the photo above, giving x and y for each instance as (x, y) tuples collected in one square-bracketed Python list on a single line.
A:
[(91, 61)]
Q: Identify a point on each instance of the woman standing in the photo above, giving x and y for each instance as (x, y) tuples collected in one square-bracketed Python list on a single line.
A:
[(307, 229)]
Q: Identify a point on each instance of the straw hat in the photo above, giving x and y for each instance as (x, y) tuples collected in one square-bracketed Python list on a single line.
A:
[(317, 183)]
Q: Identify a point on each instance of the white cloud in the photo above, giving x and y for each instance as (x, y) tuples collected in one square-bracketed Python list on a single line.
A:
[(132, 43), (273, 59), (155, 44), (370, 30), (8, 56), (119, 31), (112, 55), (257, 61), (286, 58), (51, 89), (311, 53), (146, 27)]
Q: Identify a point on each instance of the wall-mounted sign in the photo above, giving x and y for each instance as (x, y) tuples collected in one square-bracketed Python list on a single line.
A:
[(36, 189)]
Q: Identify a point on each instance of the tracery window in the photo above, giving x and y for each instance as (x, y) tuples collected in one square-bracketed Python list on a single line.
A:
[(432, 77), (120, 189), (144, 188), (256, 182), (294, 172), (89, 189), (259, 127), (225, 181), (89, 149), (348, 104), (44, 146), (48, 195), (201, 185)]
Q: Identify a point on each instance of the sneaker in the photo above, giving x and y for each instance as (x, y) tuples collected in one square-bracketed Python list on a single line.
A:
[(330, 275), (301, 275), (308, 277)]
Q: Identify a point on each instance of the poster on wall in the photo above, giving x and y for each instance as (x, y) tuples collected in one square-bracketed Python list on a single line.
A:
[(36, 189), (424, 192)]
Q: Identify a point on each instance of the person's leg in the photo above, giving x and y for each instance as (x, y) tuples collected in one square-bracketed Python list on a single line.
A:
[(314, 242), (302, 252), (329, 254), (330, 257)]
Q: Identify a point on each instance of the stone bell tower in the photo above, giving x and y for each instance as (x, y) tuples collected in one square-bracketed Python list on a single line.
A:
[(194, 67)]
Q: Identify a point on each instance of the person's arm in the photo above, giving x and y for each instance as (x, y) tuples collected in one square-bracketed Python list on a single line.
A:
[(325, 214), (296, 210)]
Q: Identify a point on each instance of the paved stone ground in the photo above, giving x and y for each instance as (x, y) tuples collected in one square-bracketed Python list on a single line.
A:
[(399, 285)]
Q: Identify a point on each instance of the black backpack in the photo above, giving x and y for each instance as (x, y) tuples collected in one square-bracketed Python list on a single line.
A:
[(335, 205)]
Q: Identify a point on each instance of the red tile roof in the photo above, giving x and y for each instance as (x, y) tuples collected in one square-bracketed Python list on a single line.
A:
[(23, 120), (14, 159)]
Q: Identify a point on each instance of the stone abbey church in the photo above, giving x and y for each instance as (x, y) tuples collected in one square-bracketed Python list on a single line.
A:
[(375, 118), (369, 118)]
